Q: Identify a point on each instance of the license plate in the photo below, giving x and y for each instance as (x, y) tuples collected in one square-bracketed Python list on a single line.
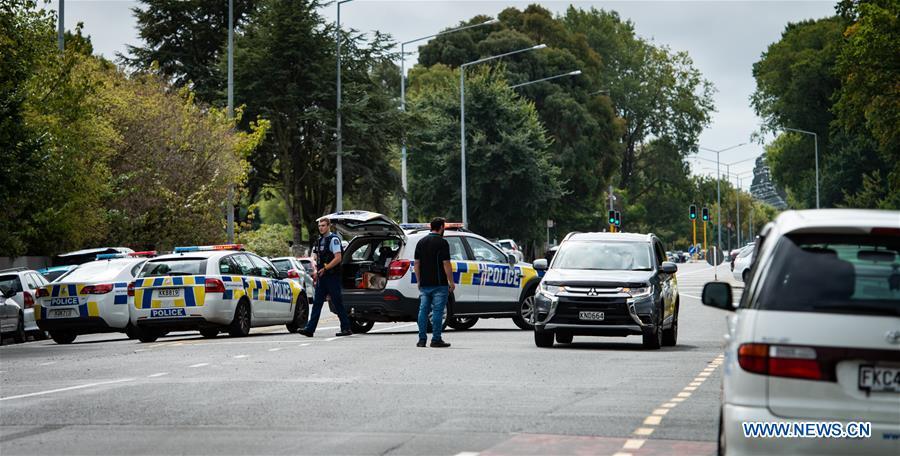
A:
[(593, 316), (169, 293), (70, 301), (162, 313), (62, 313), (879, 379)]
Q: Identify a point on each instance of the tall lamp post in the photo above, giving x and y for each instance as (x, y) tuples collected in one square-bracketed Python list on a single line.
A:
[(339, 170), (462, 119), (229, 205), (571, 73), (61, 26), (719, 195), (816, 138), (404, 203)]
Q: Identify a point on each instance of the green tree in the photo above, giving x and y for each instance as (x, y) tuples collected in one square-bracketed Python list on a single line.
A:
[(510, 174), (271, 240), (284, 72), (186, 39)]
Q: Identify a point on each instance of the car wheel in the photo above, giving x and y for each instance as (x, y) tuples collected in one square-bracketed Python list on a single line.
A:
[(63, 337), (720, 442), (240, 326), (147, 335), (745, 276), (131, 331), (564, 338), (209, 333), (525, 318), (653, 338), (462, 323), (301, 315), (361, 326), (543, 339), (670, 336), (19, 335)]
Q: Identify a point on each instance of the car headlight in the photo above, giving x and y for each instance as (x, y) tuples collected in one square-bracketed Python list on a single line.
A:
[(551, 290), (639, 292)]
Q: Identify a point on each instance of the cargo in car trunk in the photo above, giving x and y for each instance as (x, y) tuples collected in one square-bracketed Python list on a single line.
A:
[(366, 262)]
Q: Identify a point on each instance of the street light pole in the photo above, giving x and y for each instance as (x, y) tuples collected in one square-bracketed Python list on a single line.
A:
[(404, 203), (229, 205), (719, 197), (462, 121), (61, 26), (571, 73), (339, 204), (816, 139)]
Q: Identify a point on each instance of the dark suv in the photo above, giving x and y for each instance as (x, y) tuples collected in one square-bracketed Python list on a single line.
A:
[(607, 284)]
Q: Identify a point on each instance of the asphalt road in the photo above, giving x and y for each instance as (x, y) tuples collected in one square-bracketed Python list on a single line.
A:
[(492, 393)]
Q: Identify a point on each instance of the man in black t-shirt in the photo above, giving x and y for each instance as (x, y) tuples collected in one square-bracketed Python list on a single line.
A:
[(435, 280)]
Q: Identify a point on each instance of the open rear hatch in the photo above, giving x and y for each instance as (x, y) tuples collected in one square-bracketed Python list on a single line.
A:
[(375, 242)]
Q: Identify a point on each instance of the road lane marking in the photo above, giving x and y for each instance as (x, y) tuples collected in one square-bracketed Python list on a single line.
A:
[(660, 411), (622, 454), (158, 374), (669, 405), (690, 388), (683, 394), (274, 349), (468, 453), (676, 399), (643, 431), (633, 444), (652, 420), (47, 363), (696, 383), (304, 345), (394, 327), (331, 339), (240, 356), (199, 365), (70, 388)]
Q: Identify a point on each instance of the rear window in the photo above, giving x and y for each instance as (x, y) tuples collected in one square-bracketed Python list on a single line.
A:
[(282, 265), (11, 282), (174, 267), (848, 274), (97, 271)]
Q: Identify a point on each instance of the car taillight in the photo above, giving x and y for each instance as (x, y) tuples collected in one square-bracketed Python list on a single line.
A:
[(215, 286), (780, 361), (29, 300), (131, 289), (398, 269), (293, 274), (42, 293), (102, 288)]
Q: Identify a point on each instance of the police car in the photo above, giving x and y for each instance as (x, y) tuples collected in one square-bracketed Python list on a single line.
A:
[(379, 283), (212, 289), (91, 298)]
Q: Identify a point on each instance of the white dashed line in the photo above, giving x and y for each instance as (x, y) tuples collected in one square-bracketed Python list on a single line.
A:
[(274, 349), (47, 363), (304, 345), (643, 431), (239, 356), (158, 374), (652, 420), (199, 365), (467, 453), (59, 390), (633, 444)]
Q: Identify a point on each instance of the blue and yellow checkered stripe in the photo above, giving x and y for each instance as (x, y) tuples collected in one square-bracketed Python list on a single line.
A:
[(194, 291)]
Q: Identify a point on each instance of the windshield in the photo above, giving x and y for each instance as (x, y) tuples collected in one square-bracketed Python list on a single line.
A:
[(11, 282), (174, 266), (834, 273), (97, 271), (604, 256)]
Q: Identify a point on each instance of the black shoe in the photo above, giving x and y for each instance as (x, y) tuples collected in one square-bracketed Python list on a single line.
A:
[(344, 333), (305, 332), (439, 344), (421, 343)]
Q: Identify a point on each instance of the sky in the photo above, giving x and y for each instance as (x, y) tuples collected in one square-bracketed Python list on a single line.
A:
[(724, 38)]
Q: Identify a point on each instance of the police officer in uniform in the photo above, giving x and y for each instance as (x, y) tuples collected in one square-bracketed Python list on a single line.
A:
[(328, 253)]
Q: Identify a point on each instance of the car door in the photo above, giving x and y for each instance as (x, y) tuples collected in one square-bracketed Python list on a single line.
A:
[(499, 282), (276, 294), (465, 271), (252, 284)]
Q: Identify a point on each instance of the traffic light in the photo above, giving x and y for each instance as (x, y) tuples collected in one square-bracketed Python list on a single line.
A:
[(705, 214), (693, 212), (618, 219), (612, 217)]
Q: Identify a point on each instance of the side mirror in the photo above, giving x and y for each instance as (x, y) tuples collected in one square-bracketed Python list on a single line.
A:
[(511, 259), (281, 275), (540, 264), (7, 292), (718, 295), (669, 267)]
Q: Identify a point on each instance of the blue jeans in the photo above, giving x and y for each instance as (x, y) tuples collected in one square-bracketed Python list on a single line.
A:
[(434, 300), (330, 285)]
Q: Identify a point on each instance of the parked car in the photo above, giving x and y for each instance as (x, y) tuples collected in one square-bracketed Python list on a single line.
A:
[(816, 335), (740, 265), (510, 246), (607, 284), (12, 320), (83, 256), (295, 271), (24, 283), (380, 285)]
